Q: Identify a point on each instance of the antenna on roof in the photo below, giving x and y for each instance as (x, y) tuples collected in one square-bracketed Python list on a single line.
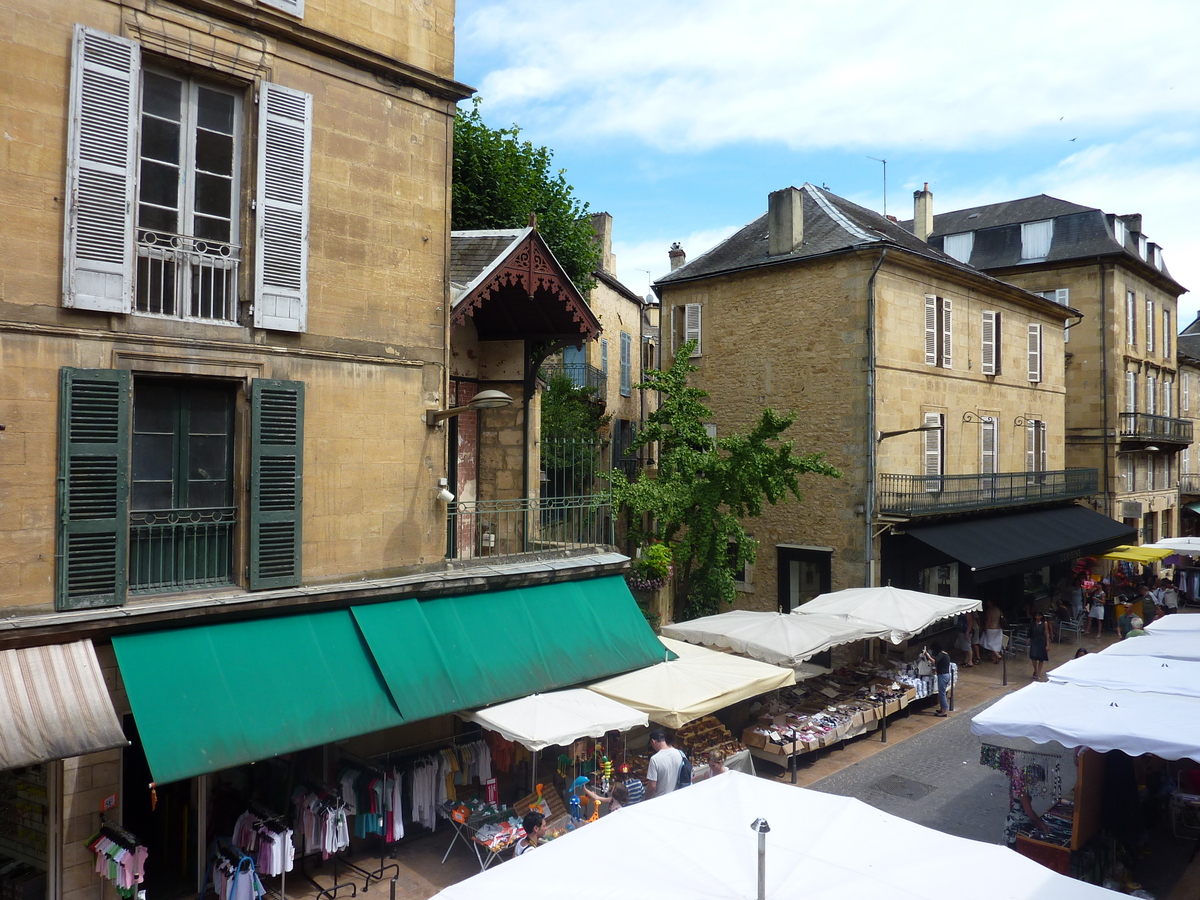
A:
[(884, 161)]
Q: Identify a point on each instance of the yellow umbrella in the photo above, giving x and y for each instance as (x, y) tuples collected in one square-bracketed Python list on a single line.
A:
[(1143, 555)]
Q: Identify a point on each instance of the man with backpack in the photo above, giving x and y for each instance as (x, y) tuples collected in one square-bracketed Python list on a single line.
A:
[(668, 768)]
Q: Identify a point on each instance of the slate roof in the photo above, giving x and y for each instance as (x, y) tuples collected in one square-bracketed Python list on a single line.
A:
[(1188, 346), (831, 224), (1080, 232), (474, 252), (612, 282)]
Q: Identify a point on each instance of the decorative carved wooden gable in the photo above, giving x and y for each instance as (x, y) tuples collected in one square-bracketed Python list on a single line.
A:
[(536, 294)]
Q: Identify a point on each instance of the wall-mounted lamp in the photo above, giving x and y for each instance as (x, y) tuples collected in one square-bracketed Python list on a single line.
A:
[(444, 493), (482, 400), (1151, 449), (884, 435)]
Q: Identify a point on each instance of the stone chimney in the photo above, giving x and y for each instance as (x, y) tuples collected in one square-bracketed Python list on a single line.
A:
[(602, 225), (923, 213), (677, 256), (785, 221)]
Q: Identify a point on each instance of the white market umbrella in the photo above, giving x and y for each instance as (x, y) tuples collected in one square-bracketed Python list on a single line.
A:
[(699, 682), (1175, 623), (558, 718), (1186, 545), (1131, 673), (1167, 644), (697, 844), (778, 638), (905, 613), (1075, 715)]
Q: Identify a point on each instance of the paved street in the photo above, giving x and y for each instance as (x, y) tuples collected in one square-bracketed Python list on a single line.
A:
[(935, 779)]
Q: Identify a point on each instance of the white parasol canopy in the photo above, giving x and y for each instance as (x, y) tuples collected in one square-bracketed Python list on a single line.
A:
[(1185, 545), (904, 612), (1103, 719), (700, 681), (1131, 673), (697, 844), (1176, 623), (541, 720), (785, 640), (1167, 644)]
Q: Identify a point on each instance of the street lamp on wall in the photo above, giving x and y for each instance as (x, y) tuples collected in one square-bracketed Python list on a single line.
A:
[(884, 435), (482, 400)]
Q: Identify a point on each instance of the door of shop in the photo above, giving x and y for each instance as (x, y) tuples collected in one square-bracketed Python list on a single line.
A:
[(804, 572), (165, 825)]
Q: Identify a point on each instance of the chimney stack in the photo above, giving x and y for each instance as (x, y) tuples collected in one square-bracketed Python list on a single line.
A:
[(677, 256), (602, 225), (923, 213), (785, 221)]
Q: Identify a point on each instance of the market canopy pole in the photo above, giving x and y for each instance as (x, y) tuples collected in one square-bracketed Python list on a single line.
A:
[(760, 825)]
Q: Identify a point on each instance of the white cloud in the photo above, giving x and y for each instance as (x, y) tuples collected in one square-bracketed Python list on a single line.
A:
[(821, 74), (641, 262)]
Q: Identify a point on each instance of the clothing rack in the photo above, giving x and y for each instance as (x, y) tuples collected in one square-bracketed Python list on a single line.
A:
[(354, 762), (117, 834), (276, 822), (322, 791), (224, 848), (422, 749)]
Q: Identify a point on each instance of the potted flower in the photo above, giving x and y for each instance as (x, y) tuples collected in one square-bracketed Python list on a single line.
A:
[(651, 570)]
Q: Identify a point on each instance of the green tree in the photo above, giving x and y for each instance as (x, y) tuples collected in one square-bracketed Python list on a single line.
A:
[(499, 180), (705, 487)]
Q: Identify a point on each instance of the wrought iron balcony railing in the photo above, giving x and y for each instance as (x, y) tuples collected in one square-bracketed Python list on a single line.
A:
[(581, 375), (186, 277), (480, 528), (921, 495), (1189, 483), (176, 549), (1145, 427)]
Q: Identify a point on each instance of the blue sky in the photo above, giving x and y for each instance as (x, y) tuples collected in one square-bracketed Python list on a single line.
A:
[(679, 117)]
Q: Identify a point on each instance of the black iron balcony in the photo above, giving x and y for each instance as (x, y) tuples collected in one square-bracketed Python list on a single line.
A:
[(923, 495), (1137, 426), (1189, 483), (580, 374)]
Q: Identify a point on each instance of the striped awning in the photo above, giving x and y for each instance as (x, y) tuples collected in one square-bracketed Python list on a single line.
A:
[(53, 705)]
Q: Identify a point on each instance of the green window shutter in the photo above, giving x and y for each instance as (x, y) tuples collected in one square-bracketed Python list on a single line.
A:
[(93, 488), (276, 482)]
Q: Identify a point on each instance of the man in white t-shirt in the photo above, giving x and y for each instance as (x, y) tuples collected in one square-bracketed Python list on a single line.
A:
[(662, 775)]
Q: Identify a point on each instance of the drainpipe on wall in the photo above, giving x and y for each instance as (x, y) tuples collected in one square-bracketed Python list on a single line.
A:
[(1108, 506), (872, 445)]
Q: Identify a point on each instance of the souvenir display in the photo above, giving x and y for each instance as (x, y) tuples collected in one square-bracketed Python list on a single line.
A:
[(697, 739)]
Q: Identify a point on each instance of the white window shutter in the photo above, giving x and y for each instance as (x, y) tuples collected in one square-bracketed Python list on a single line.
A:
[(1151, 395), (1035, 352), (1063, 296), (947, 335), (1167, 333), (1168, 401), (1130, 392), (1041, 442), (988, 335), (1149, 326), (931, 342), (281, 254), (933, 451), (98, 255), (1130, 319), (1187, 379), (604, 357), (1030, 444), (691, 327), (987, 446)]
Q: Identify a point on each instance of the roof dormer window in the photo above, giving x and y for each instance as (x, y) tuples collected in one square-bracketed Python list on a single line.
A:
[(1120, 231), (959, 246), (1036, 238), (1143, 247)]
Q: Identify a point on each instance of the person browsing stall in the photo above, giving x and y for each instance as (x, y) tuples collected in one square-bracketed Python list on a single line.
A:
[(940, 660), (662, 775), (535, 827)]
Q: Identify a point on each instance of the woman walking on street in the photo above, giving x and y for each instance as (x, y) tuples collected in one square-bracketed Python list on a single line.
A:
[(1039, 644), (1096, 610)]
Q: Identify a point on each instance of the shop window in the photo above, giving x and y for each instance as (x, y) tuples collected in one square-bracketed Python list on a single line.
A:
[(743, 572), (146, 497), (802, 573), (1149, 527), (25, 830)]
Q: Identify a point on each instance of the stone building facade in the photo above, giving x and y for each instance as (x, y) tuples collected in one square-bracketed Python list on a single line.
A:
[(937, 390)]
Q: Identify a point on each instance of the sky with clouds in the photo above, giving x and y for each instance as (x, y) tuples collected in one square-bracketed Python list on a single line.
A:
[(679, 118)]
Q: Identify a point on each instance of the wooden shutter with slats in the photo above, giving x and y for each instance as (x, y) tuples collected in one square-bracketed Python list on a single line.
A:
[(1131, 392), (1149, 326), (276, 482), (1035, 352), (93, 488), (931, 341), (933, 452), (1031, 445), (947, 334), (1151, 395), (987, 446), (990, 335), (281, 255), (691, 327), (626, 364), (101, 159)]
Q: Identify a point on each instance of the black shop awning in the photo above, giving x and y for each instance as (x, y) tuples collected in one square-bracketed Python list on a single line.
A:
[(997, 546)]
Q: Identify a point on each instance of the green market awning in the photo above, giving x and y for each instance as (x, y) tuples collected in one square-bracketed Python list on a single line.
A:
[(216, 696), (453, 653)]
